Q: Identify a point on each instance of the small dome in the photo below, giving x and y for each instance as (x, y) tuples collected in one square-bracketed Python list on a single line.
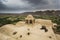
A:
[(30, 17)]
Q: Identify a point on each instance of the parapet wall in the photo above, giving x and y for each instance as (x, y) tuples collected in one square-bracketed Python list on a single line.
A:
[(44, 22)]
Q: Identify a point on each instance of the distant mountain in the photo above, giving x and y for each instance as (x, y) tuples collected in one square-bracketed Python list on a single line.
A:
[(47, 12)]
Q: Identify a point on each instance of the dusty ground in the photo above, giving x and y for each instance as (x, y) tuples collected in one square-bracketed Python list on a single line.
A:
[(58, 36)]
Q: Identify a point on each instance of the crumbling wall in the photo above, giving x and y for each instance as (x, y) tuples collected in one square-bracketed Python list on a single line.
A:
[(44, 22)]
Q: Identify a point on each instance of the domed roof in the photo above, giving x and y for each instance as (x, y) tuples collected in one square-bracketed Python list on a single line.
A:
[(30, 17)]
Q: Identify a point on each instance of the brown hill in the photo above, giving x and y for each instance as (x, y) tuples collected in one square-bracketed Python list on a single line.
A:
[(47, 12)]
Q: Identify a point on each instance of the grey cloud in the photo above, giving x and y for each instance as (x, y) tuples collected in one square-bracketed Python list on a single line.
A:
[(34, 5), (36, 2), (43, 3), (2, 6)]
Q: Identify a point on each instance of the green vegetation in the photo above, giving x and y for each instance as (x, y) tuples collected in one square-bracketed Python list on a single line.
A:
[(10, 19), (55, 19)]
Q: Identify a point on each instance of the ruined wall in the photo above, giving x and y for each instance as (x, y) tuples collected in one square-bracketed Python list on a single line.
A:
[(44, 22)]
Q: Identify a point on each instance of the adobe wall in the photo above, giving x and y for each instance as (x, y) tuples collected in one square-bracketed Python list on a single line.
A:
[(44, 22)]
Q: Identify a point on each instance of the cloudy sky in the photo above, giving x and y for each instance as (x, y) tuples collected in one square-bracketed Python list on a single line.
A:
[(28, 5)]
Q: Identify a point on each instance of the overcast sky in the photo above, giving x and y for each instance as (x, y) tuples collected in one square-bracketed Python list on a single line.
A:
[(28, 5)]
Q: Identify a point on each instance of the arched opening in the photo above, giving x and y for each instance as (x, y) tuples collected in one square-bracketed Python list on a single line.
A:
[(31, 22)]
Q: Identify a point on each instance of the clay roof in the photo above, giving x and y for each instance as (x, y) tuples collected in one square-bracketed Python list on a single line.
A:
[(30, 17)]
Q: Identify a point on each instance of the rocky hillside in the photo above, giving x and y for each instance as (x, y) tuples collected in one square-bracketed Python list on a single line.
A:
[(47, 12)]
